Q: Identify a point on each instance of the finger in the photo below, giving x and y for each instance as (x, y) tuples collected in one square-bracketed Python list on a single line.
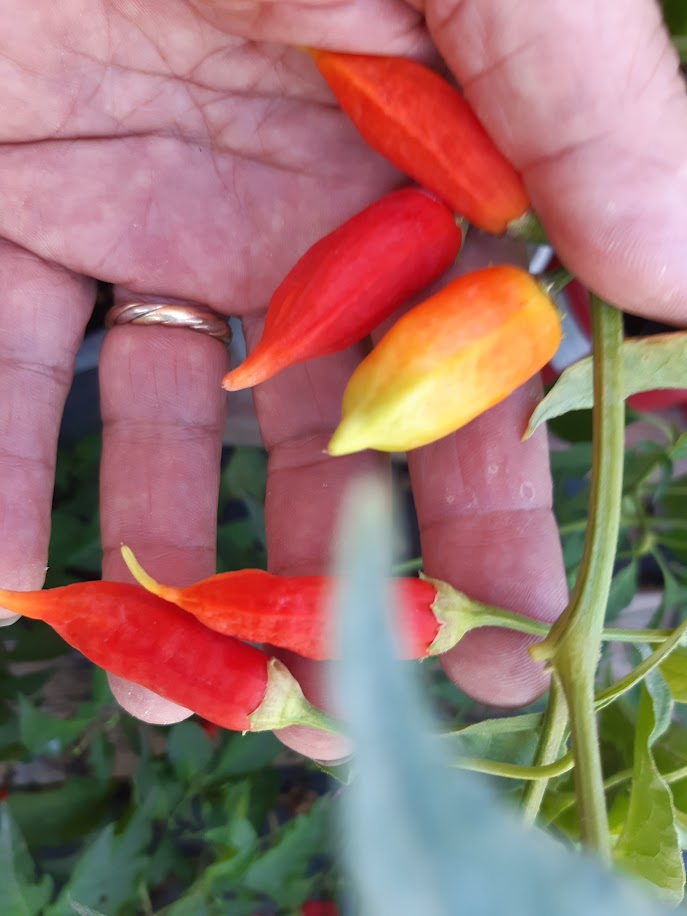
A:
[(483, 502), (163, 414), (587, 101), (298, 411), (45, 310)]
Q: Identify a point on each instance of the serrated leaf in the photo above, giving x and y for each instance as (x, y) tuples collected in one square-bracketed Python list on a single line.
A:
[(20, 893), (282, 871), (421, 837), (107, 874), (649, 847), (652, 362)]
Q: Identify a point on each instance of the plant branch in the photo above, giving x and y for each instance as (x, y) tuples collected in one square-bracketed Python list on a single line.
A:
[(574, 642), (554, 728)]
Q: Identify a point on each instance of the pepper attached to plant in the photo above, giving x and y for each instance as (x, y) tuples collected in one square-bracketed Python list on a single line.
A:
[(351, 280), (138, 636), (293, 612), (423, 126), (448, 360)]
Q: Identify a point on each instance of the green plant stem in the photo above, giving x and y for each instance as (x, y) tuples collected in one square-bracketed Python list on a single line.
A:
[(490, 616), (554, 728), (643, 668), (538, 773), (573, 645)]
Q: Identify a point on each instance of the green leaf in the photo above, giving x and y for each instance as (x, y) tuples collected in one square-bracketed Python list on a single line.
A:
[(110, 868), (674, 671), (512, 739), (84, 910), (282, 872), (623, 590), (418, 836), (189, 750), (675, 13), (648, 362), (42, 733), (62, 814), (649, 846), (20, 893)]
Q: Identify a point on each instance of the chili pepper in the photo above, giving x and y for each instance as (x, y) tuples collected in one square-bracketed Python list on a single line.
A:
[(319, 908), (448, 360), (138, 636), (351, 280), (423, 126), (292, 612)]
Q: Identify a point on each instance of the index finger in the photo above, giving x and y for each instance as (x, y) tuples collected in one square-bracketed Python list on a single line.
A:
[(587, 101)]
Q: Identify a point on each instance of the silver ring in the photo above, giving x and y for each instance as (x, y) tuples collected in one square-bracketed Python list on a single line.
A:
[(171, 315)]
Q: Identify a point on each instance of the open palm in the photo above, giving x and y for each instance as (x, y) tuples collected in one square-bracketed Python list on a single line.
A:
[(186, 149)]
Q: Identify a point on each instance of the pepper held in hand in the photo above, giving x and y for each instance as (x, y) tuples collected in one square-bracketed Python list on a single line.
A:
[(293, 612), (351, 280), (448, 360), (138, 636), (424, 127)]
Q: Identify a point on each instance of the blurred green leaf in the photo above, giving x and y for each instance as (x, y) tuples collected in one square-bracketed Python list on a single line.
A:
[(649, 363), (420, 837), (648, 846), (245, 474), (243, 754), (189, 750), (623, 590), (84, 910), (20, 893), (60, 814), (41, 733), (675, 13), (674, 671)]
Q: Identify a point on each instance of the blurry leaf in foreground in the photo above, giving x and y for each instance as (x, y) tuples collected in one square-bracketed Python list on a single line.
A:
[(649, 845), (418, 836), (648, 363)]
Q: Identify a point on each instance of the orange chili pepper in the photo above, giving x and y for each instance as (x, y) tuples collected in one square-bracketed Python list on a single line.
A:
[(448, 360), (292, 612), (351, 280), (138, 636), (423, 126)]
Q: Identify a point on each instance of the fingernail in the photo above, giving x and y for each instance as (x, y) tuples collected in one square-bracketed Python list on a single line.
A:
[(6, 621)]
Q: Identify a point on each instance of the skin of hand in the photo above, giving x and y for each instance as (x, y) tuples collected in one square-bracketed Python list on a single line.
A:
[(185, 150)]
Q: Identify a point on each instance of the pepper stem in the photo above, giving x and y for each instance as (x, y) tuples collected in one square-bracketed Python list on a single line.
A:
[(284, 704), (140, 575)]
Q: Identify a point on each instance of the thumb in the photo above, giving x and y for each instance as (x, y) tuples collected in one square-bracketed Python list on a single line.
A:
[(587, 101)]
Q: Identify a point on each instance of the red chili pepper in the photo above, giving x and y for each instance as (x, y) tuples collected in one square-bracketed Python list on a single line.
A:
[(4, 794), (140, 637), (351, 280), (319, 908), (424, 127), (292, 612)]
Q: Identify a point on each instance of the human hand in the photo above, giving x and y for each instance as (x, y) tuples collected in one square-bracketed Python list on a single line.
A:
[(298, 176)]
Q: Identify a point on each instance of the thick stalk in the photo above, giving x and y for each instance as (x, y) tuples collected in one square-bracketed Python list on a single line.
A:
[(573, 645)]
